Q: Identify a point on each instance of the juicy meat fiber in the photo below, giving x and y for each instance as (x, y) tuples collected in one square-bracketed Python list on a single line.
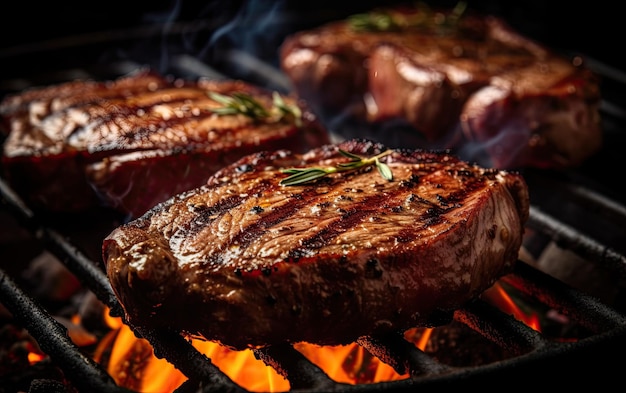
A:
[(248, 262), (136, 140), (468, 83)]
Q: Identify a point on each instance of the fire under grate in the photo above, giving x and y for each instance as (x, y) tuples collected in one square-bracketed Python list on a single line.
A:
[(530, 349), (594, 233)]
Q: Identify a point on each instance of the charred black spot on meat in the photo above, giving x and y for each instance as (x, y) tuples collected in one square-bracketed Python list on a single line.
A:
[(463, 172), (396, 209), (412, 181), (257, 210), (244, 168), (294, 256), (344, 197), (491, 232), (324, 204), (432, 216), (373, 269), (442, 200)]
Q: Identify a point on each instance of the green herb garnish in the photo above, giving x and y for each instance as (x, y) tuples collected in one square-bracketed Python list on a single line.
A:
[(374, 21), (286, 111), (305, 175), (383, 20), (244, 104)]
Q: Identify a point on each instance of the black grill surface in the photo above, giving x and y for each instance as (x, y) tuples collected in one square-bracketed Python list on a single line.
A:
[(579, 213)]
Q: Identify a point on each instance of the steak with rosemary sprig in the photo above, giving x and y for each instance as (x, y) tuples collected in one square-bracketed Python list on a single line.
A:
[(135, 141), (449, 78), (346, 240)]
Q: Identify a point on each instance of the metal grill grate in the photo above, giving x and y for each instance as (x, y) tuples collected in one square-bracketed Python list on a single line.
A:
[(528, 346), (596, 238)]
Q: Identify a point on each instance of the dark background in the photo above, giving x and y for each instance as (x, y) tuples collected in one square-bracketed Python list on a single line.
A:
[(42, 41), (594, 28)]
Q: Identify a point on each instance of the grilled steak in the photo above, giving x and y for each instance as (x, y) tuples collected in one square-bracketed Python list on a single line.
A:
[(463, 81), (247, 261), (140, 139)]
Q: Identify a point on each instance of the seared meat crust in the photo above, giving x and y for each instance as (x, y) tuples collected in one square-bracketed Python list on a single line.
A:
[(248, 262), (135, 141), (472, 84)]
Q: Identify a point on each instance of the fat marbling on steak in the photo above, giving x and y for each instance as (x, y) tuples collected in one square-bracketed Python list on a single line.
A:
[(132, 142), (449, 78), (247, 261)]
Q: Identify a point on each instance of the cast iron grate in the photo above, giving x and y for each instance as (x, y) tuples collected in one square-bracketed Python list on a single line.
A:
[(529, 347), (597, 238)]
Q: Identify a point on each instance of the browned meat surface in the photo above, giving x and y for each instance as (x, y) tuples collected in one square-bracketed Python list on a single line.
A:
[(248, 262), (138, 140), (469, 83)]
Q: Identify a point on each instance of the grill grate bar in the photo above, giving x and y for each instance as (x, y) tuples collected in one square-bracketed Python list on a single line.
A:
[(403, 356), (291, 364), (303, 375), (595, 202), (52, 337), (583, 245), (570, 188), (500, 328), (82, 267), (585, 310), (172, 346)]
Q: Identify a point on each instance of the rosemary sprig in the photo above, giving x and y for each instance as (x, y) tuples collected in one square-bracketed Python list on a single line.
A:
[(382, 20), (239, 103), (286, 111), (374, 21), (245, 104), (306, 175)]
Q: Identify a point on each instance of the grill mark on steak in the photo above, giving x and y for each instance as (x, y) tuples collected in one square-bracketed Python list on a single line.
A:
[(365, 208), (125, 122), (256, 229), (134, 142), (323, 262), (348, 219)]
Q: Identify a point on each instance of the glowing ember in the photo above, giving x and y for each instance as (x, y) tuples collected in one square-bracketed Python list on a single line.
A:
[(349, 363), (35, 357), (501, 299), (133, 365), (418, 336)]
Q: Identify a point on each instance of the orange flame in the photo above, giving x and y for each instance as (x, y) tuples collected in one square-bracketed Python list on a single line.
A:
[(132, 364), (34, 357), (350, 363), (418, 336), (501, 299)]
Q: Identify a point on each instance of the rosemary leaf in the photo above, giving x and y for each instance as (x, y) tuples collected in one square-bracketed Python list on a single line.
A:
[(424, 17), (384, 170), (244, 104), (353, 156), (305, 175), (291, 112), (300, 176)]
